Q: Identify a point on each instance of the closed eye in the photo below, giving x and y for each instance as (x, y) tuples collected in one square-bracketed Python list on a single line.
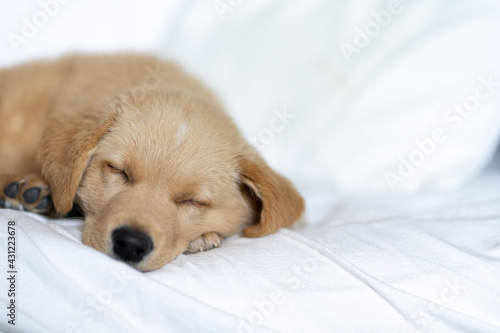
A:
[(113, 169), (192, 202)]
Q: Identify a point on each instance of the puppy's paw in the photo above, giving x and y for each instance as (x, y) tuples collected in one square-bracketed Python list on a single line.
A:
[(28, 193), (205, 242)]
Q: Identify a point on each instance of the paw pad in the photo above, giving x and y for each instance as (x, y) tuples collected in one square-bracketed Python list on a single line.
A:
[(28, 193), (11, 190), (31, 195)]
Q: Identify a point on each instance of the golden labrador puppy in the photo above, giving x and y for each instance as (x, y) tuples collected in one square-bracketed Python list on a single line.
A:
[(147, 152)]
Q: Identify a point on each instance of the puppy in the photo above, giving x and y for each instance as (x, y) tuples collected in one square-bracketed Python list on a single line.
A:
[(144, 149)]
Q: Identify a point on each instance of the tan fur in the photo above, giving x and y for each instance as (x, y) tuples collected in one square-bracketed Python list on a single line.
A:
[(77, 120)]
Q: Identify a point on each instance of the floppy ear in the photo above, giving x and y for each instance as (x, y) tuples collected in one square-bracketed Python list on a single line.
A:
[(68, 142), (281, 205)]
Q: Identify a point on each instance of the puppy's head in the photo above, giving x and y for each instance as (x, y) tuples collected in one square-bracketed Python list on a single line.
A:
[(156, 171)]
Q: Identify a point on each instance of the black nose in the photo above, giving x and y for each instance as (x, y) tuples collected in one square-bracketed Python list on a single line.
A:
[(131, 245)]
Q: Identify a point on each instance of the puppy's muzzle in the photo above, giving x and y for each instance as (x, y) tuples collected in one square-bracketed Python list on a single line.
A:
[(131, 245)]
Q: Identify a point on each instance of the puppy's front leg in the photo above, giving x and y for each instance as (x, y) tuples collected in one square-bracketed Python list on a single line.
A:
[(205, 242), (30, 193)]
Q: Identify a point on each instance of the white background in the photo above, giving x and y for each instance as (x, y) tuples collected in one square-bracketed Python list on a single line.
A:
[(355, 119)]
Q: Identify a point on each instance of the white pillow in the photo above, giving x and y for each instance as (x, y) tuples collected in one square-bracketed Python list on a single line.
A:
[(370, 86), (327, 104)]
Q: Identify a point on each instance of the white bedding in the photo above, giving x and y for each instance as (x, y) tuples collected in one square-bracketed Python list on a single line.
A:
[(426, 262), (352, 119)]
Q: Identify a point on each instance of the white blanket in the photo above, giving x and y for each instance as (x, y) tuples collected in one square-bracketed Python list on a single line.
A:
[(428, 262)]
